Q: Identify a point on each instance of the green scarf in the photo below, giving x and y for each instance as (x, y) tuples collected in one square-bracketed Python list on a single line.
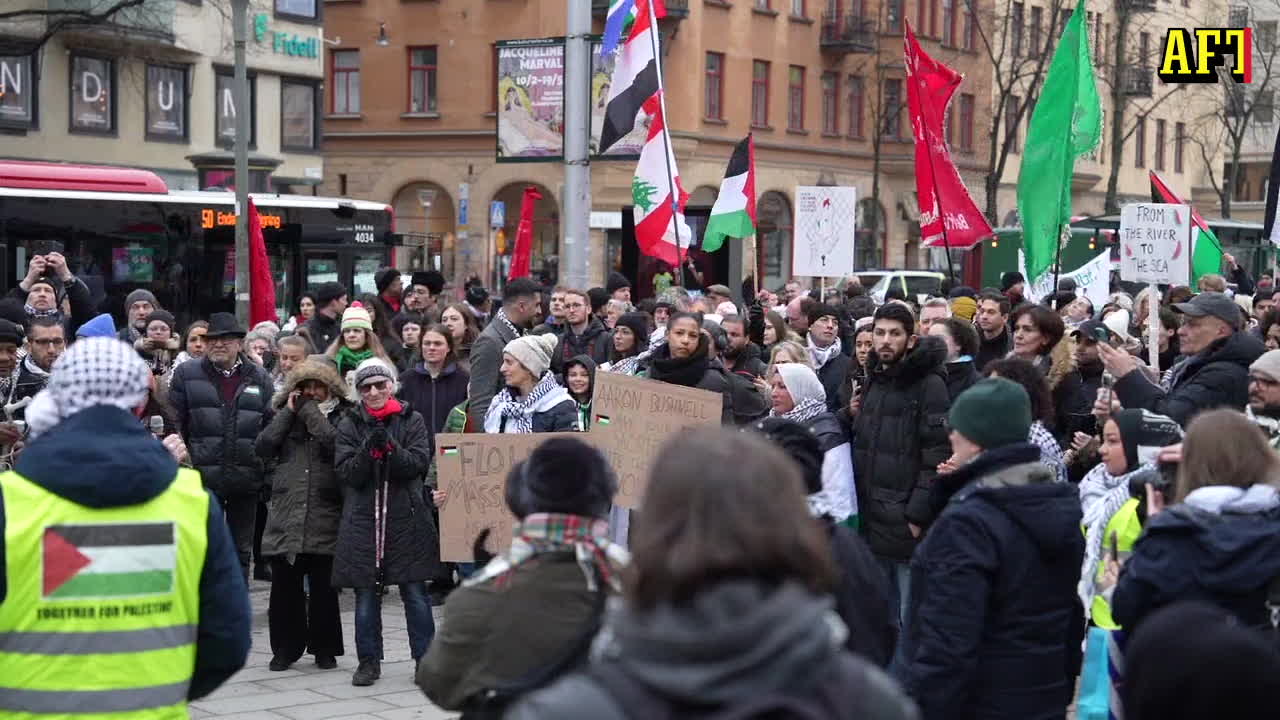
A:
[(349, 359)]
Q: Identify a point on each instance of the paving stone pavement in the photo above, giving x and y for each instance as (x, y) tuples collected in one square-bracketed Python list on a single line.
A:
[(305, 692)]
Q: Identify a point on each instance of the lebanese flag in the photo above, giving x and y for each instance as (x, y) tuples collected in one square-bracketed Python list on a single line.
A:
[(661, 230), (734, 214), (635, 74)]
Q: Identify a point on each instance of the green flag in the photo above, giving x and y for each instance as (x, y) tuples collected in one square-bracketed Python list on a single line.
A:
[(1066, 124), (1206, 257)]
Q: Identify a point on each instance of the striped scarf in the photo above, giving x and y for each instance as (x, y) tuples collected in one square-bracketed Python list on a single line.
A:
[(1050, 451), (539, 533), (34, 313), (520, 412), (804, 411)]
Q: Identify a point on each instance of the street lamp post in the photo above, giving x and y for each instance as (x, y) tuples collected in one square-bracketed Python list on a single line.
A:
[(239, 21)]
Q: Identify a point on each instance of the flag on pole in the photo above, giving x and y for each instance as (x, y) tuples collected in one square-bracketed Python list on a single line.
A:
[(262, 287), (617, 24), (1206, 252), (948, 216), (1066, 124), (635, 74), (661, 231), (522, 253), (734, 214)]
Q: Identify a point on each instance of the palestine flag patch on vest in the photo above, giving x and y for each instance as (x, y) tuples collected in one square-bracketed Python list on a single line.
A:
[(106, 561)]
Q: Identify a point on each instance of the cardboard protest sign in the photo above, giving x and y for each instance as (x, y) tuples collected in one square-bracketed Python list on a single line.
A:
[(631, 419), (472, 472)]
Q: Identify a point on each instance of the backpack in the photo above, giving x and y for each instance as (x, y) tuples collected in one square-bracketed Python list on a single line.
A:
[(834, 693)]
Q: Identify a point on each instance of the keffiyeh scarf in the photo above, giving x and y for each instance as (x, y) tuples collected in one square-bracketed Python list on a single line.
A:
[(804, 411), (538, 533), (518, 413), (93, 371), (1101, 497), (821, 356), (631, 365), (502, 318), (1050, 451), (34, 313)]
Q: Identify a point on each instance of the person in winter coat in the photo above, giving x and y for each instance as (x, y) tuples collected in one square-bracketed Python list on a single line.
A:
[(862, 591), (1113, 518), (46, 343), (1213, 373), (138, 306), (727, 604), (686, 359), (194, 343), (221, 402), (1026, 375), (325, 325), (582, 334), (831, 365), (962, 344), (529, 616), (301, 533), (48, 282), (436, 384), (991, 585), (899, 439), (520, 307), (741, 355), (630, 341), (462, 326), (1038, 338), (580, 381), (994, 339), (1221, 542), (532, 400), (796, 394), (159, 346), (386, 535), (357, 343), (1264, 396)]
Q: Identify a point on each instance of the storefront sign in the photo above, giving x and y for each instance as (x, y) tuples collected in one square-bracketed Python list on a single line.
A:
[(284, 43)]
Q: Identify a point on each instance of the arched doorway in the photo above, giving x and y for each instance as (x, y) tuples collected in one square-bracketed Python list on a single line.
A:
[(427, 230), (869, 247), (773, 239), (545, 260)]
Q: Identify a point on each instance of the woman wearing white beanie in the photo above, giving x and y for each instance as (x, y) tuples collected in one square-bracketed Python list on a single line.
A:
[(532, 400)]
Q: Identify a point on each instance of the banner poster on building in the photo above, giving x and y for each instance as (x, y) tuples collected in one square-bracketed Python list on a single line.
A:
[(630, 145), (823, 244), (531, 100)]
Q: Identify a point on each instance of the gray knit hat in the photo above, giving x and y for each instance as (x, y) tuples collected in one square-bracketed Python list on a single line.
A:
[(1267, 364), (141, 295), (374, 369), (533, 352)]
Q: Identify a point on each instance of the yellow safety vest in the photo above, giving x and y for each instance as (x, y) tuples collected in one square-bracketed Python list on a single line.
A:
[(100, 616), (1126, 527)]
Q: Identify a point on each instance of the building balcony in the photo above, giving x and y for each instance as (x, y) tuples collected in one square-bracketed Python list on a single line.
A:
[(676, 9), (1137, 81), (847, 34), (150, 22)]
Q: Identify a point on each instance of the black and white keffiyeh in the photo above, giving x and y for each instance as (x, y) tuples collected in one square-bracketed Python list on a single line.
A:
[(1101, 497), (518, 412), (804, 410), (93, 371), (502, 318), (1050, 451)]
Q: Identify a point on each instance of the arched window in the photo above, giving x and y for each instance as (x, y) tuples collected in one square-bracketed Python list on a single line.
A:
[(773, 239)]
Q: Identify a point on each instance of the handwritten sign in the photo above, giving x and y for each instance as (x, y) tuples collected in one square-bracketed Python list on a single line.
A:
[(472, 471), (1155, 243), (631, 419)]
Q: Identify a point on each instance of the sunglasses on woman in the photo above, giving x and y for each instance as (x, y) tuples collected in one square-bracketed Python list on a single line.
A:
[(377, 385)]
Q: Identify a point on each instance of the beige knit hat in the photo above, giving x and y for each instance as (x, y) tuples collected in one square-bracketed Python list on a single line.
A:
[(356, 317), (533, 352)]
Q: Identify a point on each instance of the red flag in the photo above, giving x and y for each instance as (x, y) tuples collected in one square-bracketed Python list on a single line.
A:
[(262, 287), (522, 254), (948, 215)]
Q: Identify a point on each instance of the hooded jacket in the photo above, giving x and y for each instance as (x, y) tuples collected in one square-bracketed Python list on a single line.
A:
[(1216, 377), (103, 457), (584, 409), (993, 593), (1221, 546), (735, 641), (306, 497), (595, 342), (899, 439)]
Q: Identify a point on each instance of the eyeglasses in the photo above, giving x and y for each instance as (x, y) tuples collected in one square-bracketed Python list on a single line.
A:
[(1264, 381), (370, 387), (49, 342)]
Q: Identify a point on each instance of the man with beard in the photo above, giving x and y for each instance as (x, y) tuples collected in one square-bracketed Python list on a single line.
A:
[(831, 365), (138, 306), (520, 307), (47, 340), (741, 355), (1264, 395), (1088, 359), (900, 438), (423, 289), (994, 339), (582, 333), (48, 282)]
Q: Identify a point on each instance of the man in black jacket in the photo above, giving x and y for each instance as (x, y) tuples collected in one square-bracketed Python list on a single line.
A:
[(46, 339), (899, 439), (581, 334), (520, 307), (221, 402), (831, 365), (993, 329), (48, 281), (740, 354), (326, 323)]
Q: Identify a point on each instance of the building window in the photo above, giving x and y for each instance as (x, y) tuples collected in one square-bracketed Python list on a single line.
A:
[(949, 22), (1179, 140), (970, 29), (17, 91), (762, 5), (297, 8), (93, 99), (166, 108), (966, 122), (857, 98), (1160, 144), (1011, 122), (1037, 17), (893, 15), (298, 111), (345, 69), (892, 128), (713, 102), (830, 103), (795, 98), (1016, 24), (797, 8), (922, 25), (760, 93), (1267, 35), (422, 80), (225, 108), (951, 127), (1140, 143)]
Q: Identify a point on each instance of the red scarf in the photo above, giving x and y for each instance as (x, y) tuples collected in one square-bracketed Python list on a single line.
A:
[(392, 301), (393, 407)]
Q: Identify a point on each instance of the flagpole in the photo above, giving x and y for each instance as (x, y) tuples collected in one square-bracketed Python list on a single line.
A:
[(666, 141)]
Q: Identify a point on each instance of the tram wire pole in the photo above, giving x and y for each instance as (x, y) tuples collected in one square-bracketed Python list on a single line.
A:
[(239, 21), (577, 139)]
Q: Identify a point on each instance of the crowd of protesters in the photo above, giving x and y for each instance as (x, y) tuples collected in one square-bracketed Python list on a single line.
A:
[(962, 506)]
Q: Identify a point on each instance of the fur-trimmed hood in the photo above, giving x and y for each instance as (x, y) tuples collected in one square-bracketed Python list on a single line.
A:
[(1061, 360), (311, 369)]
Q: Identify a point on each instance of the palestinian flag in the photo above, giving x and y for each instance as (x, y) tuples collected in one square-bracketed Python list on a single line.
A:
[(1206, 253), (635, 73), (100, 561), (734, 214), (657, 198)]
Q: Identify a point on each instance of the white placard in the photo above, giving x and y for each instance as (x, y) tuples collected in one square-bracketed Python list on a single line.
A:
[(1155, 243), (1093, 280), (824, 231)]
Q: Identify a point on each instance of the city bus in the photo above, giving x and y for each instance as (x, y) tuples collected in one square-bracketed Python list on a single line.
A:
[(122, 229)]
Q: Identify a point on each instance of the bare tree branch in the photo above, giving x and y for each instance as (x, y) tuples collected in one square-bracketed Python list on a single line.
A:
[(57, 21)]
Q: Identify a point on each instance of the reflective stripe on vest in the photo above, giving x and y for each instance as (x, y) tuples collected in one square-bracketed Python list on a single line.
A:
[(102, 603)]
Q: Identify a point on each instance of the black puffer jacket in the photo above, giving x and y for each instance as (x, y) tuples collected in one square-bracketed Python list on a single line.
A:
[(412, 547), (1217, 377), (834, 376), (961, 375), (221, 437), (993, 594), (306, 497), (899, 438)]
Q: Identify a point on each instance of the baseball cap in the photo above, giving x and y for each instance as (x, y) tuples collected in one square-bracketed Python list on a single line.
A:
[(1213, 304), (1088, 330)]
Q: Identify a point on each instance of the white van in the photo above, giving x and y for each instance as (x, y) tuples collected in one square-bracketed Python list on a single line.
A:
[(918, 284)]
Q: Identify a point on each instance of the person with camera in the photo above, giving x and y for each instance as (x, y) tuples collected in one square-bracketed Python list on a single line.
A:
[(1220, 542), (48, 282), (1264, 396)]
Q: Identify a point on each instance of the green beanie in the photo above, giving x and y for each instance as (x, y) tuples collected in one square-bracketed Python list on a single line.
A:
[(993, 413)]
